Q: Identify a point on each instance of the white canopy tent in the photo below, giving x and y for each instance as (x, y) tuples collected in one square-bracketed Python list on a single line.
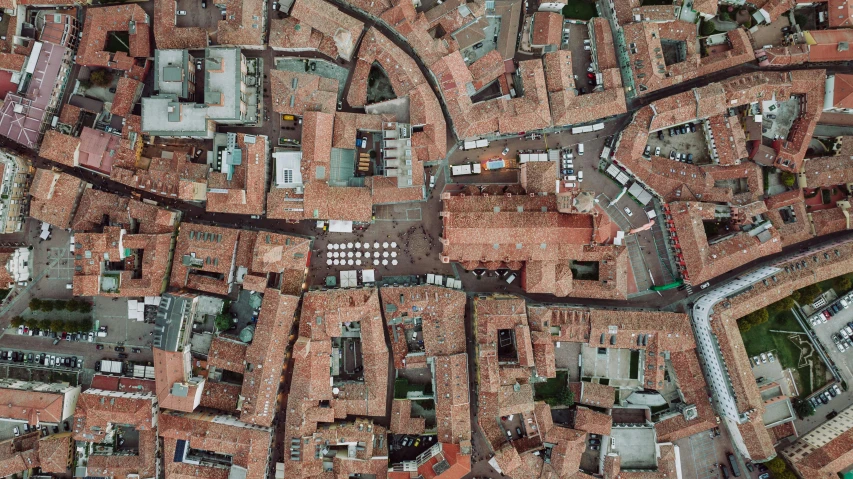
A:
[(349, 279)]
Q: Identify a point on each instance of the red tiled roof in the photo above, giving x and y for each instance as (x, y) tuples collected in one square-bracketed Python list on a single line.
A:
[(547, 28), (245, 192), (54, 197), (120, 18)]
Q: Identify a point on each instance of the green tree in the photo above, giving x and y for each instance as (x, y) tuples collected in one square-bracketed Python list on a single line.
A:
[(783, 304), (801, 20), (788, 178), (803, 408), (60, 325), (35, 304), (566, 397), (17, 321), (87, 324), (808, 293), (223, 321), (44, 324), (48, 306), (796, 295), (84, 306), (780, 469), (842, 284), (31, 322), (72, 305), (706, 28), (101, 78)]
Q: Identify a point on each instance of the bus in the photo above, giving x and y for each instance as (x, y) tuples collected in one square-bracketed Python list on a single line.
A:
[(733, 464)]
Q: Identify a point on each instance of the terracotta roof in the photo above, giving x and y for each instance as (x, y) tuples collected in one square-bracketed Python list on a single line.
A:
[(172, 371), (705, 260), (324, 314), (243, 24), (487, 69), (174, 177), (264, 357), (168, 36), (828, 170), (120, 18), (126, 95), (593, 422), (33, 407), (402, 421), (594, 394), (330, 21), (842, 94), (60, 148), (54, 197), (289, 34), (213, 250), (245, 192), (248, 446), (19, 454), (453, 410), (220, 396), (227, 354), (54, 453), (439, 309), (295, 93), (97, 410), (547, 28), (691, 383)]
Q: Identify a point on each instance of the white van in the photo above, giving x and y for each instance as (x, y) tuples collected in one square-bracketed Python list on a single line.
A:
[(569, 185), (580, 176), (570, 178), (432, 181), (510, 278), (580, 149)]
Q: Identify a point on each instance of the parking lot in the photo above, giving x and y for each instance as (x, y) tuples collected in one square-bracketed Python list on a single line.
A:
[(688, 143), (406, 447), (513, 426), (7, 429), (824, 333), (581, 58), (777, 118), (197, 16)]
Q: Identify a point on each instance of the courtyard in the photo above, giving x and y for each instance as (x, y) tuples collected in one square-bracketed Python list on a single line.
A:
[(783, 336)]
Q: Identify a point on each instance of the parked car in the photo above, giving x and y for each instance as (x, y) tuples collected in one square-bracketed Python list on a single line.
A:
[(657, 151), (120, 349), (99, 346), (836, 388), (770, 357), (648, 150), (16, 431), (505, 151), (763, 357), (628, 211)]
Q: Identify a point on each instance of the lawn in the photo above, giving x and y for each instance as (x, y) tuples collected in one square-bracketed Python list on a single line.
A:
[(759, 339), (550, 389), (580, 10), (634, 371)]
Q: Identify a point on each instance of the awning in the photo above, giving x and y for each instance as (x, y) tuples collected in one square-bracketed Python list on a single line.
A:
[(349, 279), (339, 226), (368, 275)]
